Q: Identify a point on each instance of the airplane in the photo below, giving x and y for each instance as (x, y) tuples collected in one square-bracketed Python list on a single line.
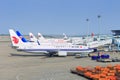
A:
[(44, 40), (40, 36), (50, 49)]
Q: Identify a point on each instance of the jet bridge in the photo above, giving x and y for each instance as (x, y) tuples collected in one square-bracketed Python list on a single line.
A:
[(116, 39)]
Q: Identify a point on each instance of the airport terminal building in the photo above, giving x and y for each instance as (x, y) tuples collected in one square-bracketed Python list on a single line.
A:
[(116, 38)]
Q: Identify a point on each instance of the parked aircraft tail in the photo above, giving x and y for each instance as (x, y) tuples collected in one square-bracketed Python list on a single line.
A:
[(24, 40), (16, 41), (32, 37), (65, 37), (40, 36), (21, 36), (92, 34)]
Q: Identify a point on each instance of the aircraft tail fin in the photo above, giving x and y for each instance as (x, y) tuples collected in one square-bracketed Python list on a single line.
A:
[(32, 37), (16, 41), (21, 36), (40, 36), (92, 34), (65, 37)]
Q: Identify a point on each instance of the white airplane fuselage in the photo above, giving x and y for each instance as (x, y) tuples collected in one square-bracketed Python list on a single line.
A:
[(54, 47)]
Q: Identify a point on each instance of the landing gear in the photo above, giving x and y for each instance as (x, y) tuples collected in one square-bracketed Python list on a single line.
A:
[(51, 54)]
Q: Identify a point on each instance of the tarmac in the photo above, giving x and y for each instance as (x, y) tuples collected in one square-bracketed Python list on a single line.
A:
[(26, 66)]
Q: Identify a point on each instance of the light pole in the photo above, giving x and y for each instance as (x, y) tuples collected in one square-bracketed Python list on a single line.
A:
[(87, 26), (99, 16)]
